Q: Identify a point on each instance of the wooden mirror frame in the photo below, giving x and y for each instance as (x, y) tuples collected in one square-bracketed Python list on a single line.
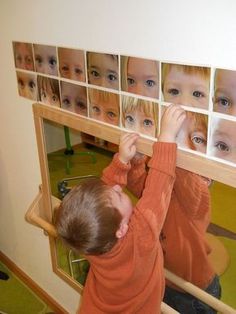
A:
[(195, 163)]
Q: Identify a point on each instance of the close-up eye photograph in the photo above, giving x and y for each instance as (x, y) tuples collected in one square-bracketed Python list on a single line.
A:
[(118, 157), (45, 59)]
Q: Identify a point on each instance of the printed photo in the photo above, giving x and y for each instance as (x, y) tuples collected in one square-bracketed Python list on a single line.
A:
[(103, 70), (186, 85), (27, 85), (48, 91), (224, 99), (223, 139), (140, 115), (193, 134), (71, 64), (140, 76), (104, 106), (45, 59), (23, 55), (74, 98)]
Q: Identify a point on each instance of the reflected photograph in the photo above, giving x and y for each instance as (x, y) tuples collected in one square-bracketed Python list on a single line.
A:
[(27, 85), (74, 98), (186, 85), (71, 64), (140, 76), (224, 99), (104, 106), (103, 69), (140, 115), (223, 139)]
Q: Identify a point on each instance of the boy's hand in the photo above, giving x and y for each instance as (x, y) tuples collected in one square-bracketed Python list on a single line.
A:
[(171, 123), (127, 147)]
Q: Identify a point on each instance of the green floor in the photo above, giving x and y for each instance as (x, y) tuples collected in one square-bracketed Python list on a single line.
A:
[(223, 204), (16, 298)]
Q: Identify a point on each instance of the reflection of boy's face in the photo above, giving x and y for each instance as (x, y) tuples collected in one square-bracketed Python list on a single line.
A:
[(104, 109), (27, 86), (71, 64), (45, 59), (103, 70), (193, 135), (143, 77), (225, 92), (139, 121), (223, 142), (186, 89), (24, 56), (74, 98)]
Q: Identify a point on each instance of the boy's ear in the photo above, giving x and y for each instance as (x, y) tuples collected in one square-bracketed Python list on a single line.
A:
[(122, 230)]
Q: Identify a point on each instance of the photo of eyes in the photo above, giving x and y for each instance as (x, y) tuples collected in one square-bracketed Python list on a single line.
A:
[(133, 92)]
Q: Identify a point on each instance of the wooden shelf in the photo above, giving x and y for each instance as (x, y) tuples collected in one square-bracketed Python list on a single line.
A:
[(95, 141)]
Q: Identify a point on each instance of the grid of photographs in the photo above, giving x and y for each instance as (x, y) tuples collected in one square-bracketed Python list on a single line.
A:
[(132, 93)]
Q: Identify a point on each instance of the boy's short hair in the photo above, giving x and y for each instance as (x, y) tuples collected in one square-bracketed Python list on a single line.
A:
[(187, 69), (86, 219)]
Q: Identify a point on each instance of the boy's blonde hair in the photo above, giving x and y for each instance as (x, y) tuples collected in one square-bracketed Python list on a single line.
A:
[(187, 69), (49, 85)]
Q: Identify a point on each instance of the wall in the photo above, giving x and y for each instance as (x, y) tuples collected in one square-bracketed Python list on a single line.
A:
[(201, 32)]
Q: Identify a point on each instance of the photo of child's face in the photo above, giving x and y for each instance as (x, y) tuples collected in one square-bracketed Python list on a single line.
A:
[(193, 133), (48, 90), (223, 139), (23, 53), (71, 64), (224, 99), (74, 98), (140, 76), (45, 59), (27, 85), (104, 106), (186, 85), (139, 115), (103, 70)]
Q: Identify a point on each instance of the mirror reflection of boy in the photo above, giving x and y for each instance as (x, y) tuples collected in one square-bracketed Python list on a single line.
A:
[(121, 242), (140, 76), (23, 54), (139, 115), (45, 58), (74, 98), (223, 139), (186, 85), (183, 236), (225, 92), (27, 85), (48, 91), (71, 64), (104, 106), (103, 69)]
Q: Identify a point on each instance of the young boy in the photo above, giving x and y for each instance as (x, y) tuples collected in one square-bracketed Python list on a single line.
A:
[(121, 242)]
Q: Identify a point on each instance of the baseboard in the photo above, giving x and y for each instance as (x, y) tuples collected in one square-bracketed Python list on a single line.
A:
[(32, 285)]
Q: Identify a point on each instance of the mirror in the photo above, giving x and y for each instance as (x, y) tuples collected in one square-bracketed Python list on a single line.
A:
[(60, 169)]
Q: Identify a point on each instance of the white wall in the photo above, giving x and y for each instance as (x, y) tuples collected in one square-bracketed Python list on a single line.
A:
[(201, 32)]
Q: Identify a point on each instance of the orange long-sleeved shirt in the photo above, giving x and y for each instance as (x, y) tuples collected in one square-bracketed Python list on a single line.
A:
[(130, 278), (183, 234)]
